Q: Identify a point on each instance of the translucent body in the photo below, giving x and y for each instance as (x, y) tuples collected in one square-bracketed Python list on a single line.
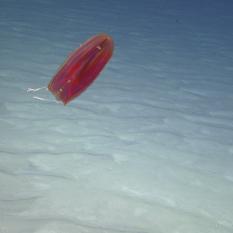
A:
[(81, 68)]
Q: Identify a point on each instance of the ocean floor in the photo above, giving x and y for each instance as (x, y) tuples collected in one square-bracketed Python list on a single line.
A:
[(148, 148)]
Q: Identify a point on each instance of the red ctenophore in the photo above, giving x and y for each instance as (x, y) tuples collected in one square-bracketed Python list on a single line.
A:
[(81, 68)]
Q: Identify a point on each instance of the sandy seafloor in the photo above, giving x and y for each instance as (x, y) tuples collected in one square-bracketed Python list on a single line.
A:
[(148, 148)]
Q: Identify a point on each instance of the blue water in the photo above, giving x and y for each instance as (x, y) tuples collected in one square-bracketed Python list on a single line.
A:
[(147, 148)]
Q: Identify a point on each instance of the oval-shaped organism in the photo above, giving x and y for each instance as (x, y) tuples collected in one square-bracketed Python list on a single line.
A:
[(81, 68)]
